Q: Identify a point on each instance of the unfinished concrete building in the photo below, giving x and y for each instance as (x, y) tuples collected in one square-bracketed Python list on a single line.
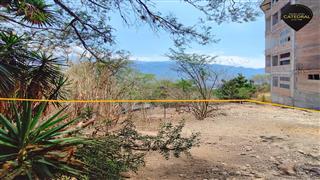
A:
[(293, 57)]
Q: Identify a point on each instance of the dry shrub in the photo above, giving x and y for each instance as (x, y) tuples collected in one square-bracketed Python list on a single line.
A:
[(97, 81)]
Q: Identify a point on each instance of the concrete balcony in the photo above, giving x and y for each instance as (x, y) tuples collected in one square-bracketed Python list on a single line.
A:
[(281, 69)]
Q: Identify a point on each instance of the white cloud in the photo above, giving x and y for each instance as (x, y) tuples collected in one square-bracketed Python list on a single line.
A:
[(150, 58), (232, 60), (224, 59), (235, 60), (252, 62)]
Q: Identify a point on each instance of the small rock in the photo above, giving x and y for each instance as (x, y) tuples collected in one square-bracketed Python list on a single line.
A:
[(224, 173), (248, 148), (243, 168), (242, 154), (287, 169), (300, 151), (258, 175), (215, 169), (275, 174), (125, 175), (277, 163), (255, 156), (181, 175)]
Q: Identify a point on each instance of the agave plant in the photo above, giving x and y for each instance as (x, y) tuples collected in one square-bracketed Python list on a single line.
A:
[(44, 77), (25, 73), (36, 148), (32, 11), (12, 56)]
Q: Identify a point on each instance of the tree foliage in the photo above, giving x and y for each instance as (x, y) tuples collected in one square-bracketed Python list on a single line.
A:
[(236, 88), (86, 22), (196, 68)]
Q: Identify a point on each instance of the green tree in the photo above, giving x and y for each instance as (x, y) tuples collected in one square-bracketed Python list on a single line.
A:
[(236, 88), (196, 68)]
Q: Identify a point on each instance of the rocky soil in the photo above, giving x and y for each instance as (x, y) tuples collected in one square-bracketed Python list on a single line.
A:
[(241, 141)]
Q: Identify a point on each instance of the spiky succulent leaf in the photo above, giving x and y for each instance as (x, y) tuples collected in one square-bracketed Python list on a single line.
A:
[(47, 122), (33, 11), (36, 118), (37, 149), (8, 125), (26, 120), (50, 133)]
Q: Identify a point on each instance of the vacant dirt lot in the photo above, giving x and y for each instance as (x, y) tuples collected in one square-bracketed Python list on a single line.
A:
[(242, 141)]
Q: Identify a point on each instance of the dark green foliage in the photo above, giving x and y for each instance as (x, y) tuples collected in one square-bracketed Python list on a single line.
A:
[(236, 88), (32, 11), (27, 73), (125, 149), (169, 140), (33, 148), (105, 158), (12, 50)]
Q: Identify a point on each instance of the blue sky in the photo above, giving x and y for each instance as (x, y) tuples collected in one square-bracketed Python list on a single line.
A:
[(241, 44)]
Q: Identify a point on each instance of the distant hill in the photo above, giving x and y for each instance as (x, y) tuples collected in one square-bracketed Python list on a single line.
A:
[(165, 69)]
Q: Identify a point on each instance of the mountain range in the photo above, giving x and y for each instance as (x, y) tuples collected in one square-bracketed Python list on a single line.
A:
[(165, 69)]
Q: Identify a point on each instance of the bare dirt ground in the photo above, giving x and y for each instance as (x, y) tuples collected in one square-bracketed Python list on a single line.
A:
[(242, 141)]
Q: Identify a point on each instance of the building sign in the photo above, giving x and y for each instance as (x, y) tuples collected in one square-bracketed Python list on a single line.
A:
[(296, 15)]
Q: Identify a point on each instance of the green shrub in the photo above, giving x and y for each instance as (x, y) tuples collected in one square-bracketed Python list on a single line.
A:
[(236, 88), (106, 159), (33, 148), (125, 149)]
